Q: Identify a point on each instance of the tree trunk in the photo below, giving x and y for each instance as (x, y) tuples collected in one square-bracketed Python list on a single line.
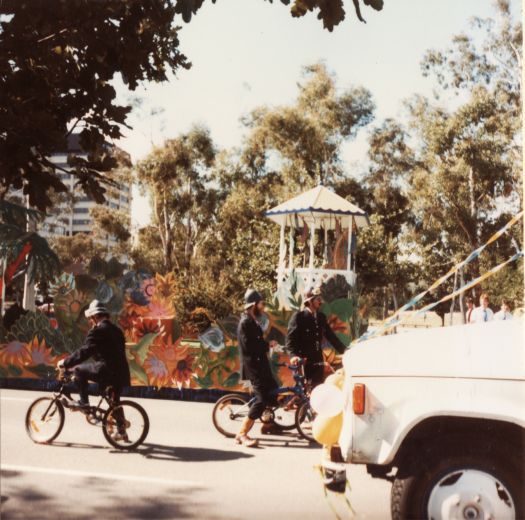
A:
[(453, 302), (29, 285)]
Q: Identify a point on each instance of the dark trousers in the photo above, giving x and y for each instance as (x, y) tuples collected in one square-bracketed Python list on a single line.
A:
[(86, 372), (264, 393), (314, 372)]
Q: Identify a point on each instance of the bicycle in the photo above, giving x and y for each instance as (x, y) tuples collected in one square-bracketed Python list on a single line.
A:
[(125, 424), (293, 408)]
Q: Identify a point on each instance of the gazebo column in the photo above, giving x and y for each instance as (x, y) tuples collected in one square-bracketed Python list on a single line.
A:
[(349, 252), (292, 245), (311, 263), (282, 255)]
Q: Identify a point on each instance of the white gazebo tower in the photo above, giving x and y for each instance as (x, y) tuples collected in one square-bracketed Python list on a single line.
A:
[(337, 221)]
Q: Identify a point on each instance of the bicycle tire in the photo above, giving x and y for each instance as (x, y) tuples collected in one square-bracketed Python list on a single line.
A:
[(282, 418), (136, 428), (234, 401), (35, 424), (304, 419)]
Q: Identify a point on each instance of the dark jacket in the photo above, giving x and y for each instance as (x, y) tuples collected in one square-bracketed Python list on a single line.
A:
[(104, 343), (253, 351), (305, 336)]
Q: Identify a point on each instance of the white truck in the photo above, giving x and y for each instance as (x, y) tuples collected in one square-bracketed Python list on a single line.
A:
[(441, 414)]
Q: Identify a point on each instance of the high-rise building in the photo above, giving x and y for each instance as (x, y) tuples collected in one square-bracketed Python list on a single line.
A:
[(72, 214)]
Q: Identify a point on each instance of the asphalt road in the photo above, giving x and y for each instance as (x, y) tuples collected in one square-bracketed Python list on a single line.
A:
[(185, 469)]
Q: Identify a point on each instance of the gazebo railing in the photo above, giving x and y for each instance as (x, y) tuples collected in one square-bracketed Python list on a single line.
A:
[(307, 277)]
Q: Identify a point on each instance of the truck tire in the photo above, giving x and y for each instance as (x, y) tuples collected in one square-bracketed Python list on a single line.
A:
[(461, 485)]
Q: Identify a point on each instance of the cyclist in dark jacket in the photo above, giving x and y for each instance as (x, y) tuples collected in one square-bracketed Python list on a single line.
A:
[(253, 350), (105, 344), (306, 330)]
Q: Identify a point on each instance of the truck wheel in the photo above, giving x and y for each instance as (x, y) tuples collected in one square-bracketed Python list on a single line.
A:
[(468, 486)]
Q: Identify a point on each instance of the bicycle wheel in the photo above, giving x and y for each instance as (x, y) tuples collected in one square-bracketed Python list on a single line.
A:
[(44, 420), (228, 413), (284, 414), (125, 425), (304, 420)]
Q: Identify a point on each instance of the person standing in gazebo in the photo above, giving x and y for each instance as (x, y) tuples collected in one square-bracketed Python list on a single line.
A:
[(306, 330)]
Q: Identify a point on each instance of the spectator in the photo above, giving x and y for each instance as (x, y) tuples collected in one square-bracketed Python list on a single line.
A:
[(482, 313), (504, 312), (470, 308)]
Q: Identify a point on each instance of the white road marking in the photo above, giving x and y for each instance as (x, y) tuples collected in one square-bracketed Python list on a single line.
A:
[(108, 476)]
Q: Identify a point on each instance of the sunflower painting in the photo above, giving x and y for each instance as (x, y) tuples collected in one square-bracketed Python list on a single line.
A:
[(199, 354)]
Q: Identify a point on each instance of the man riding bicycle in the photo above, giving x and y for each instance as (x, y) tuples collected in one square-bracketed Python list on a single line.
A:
[(104, 343)]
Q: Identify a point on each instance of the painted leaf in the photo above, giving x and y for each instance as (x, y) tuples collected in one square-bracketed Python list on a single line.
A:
[(14, 370), (138, 372), (232, 380), (142, 347), (342, 308), (104, 292), (204, 382), (213, 339)]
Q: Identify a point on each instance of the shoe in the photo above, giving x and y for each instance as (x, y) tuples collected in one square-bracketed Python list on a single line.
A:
[(271, 429), (121, 437), (78, 405), (244, 440)]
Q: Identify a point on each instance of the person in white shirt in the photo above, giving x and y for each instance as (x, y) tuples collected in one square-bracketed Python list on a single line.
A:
[(482, 313), (504, 313)]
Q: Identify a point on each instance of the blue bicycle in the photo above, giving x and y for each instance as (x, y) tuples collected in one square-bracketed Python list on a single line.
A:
[(292, 410)]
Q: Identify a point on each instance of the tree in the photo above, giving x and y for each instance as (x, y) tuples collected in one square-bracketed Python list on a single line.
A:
[(177, 179), (57, 59), (77, 248), (23, 251), (302, 142), (384, 267), (468, 181)]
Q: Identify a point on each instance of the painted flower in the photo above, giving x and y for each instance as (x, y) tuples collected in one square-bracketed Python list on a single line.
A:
[(161, 308), (213, 339), (156, 368), (40, 353), (183, 371), (64, 284), (147, 287), (165, 286), (15, 353), (142, 326)]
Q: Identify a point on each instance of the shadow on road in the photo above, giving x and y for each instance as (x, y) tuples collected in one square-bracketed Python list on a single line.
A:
[(27, 501), (188, 454)]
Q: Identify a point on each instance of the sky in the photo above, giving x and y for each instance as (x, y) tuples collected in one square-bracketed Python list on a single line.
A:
[(248, 53)]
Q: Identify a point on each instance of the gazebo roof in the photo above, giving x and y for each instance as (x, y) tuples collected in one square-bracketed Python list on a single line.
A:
[(320, 206)]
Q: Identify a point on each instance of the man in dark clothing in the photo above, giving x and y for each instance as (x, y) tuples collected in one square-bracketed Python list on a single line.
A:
[(104, 343), (253, 350), (306, 330)]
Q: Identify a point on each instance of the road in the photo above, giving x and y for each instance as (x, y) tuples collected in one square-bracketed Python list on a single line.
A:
[(185, 469)]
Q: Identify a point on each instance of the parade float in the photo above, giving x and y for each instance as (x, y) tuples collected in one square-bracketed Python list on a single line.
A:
[(318, 242)]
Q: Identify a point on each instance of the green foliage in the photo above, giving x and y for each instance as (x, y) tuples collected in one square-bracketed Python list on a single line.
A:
[(57, 60), (142, 347), (77, 248), (36, 324)]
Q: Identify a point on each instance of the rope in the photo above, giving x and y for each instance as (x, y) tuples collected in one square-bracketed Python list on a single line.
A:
[(466, 287), (393, 320)]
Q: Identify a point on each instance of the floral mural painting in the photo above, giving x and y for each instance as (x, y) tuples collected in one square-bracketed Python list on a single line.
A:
[(198, 354)]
